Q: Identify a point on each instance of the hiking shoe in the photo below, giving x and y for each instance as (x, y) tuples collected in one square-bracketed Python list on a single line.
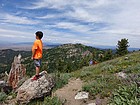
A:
[(36, 77)]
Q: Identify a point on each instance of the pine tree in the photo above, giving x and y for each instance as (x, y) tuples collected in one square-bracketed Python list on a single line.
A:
[(122, 47)]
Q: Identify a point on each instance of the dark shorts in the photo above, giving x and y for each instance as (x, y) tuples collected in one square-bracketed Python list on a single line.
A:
[(37, 62)]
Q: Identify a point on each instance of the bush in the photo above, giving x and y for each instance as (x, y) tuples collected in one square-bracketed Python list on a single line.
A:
[(102, 85), (3, 96), (52, 101), (46, 101), (61, 80), (126, 95)]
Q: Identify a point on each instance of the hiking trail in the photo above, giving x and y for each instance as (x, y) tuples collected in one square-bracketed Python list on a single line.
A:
[(68, 92)]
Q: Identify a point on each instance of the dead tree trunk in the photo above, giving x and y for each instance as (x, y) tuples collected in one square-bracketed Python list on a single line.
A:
[(16, 73)]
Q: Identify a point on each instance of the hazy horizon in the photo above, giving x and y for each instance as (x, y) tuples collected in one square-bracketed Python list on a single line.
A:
[(27, 46)]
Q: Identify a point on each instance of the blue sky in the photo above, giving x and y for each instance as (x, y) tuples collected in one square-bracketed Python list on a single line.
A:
[(90, 22)]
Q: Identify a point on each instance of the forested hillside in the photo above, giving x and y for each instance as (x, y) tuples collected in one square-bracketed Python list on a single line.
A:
[(67, 58), (70, 57)]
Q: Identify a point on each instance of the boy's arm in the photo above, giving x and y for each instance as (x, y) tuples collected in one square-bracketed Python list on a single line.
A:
[(34, 48), (33, 53)]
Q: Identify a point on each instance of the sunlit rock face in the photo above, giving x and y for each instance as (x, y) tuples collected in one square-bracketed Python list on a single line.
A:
[(35, 89)]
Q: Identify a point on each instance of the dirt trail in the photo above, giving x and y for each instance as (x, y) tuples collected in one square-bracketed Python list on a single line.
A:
[(69, 91)]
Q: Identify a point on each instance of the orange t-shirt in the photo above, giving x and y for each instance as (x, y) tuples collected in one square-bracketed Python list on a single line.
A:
[(38, 46)]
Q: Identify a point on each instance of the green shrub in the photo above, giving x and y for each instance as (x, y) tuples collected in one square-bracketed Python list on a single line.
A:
[(103, 85), (52, 101), (92, 88), (134, 69), (126, 95), (109, 68), (61, 80), (85, 73), (46, 101), (3, 96)]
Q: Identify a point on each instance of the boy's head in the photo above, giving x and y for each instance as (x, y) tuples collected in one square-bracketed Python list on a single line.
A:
[(39, 34)]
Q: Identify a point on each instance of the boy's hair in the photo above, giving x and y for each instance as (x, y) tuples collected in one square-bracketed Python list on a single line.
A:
[(39, 34)]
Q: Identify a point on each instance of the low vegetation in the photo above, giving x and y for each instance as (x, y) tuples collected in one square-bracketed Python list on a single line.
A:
[(101, 80), (126, 95), (3, 96), (61, 80), (47, 101)]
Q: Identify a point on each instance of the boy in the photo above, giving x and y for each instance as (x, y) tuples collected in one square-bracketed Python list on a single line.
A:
[(37, 53)]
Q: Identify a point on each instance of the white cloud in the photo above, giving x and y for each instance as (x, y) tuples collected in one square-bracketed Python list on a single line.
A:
[(48, 16), (8, 18), (47, 4), (73, 27), (14, 35), (62, 37), (83, 15)]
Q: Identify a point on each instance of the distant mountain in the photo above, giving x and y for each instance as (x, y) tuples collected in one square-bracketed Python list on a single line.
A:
[(133, 49), (104, 47), (114, 47)]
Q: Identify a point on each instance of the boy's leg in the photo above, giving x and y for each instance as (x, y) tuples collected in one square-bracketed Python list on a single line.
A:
[(37, 64), (37, 70), (37, 74)]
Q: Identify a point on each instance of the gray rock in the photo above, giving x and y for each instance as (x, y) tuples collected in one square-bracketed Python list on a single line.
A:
[(91, 104), (2, 83), (126, 58), (82, 95), (122, 75), (35, 89)]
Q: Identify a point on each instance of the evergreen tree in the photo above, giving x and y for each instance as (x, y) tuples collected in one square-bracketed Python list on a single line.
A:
[(122, 47)]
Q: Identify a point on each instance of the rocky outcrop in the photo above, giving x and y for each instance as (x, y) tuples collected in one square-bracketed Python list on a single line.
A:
[(17, 72), (15, 76), (35, 89)]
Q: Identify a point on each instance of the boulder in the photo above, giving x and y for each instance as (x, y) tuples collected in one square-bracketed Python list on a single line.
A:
[(30, 90), (81, 95), (126, 58), (122, 75)]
